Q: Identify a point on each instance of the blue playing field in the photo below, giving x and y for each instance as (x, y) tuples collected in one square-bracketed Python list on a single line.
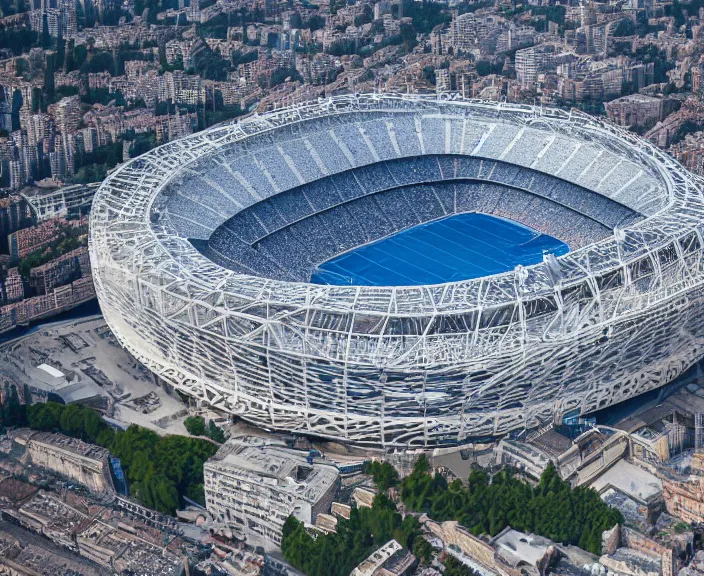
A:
[(455, 248)]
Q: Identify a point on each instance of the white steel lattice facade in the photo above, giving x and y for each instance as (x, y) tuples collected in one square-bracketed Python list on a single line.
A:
[(201, 251)]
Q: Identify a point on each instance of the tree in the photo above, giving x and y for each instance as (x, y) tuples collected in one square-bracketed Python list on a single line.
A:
[(105, 437), (453, 567), (423, 550), (383, 473), (92, 425), (101, 62), (27, 395), (49, 77), (366, 530), (625, 27), (487, 505), (483, 68), (80, 55), (71, 421), (14, 413), (315, 22), (195, 425), (215, 433), (296, 22), (161, 470), (44, 417)]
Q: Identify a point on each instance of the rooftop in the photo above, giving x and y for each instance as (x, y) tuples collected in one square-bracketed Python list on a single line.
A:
[(273, 464), (78, 447), (53, 372), (516, 547), (633, 481), (552, 442), (377, 559)]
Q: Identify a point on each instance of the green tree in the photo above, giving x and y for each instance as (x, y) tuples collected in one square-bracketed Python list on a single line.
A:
[(423, 550), (80, 55), (195, 425), (71, 421), (44, 417), (487, 505), (49, 77), (105, 437), (483, 68), (453, 567), (383, 473), (160, 470), (27, 396), (216, 433), (14, 413), (366, 530)]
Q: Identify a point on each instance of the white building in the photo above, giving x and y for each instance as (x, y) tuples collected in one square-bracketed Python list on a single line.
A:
[(253, 486), (442, 80), (464, 32), (50, 376), (530, 62)]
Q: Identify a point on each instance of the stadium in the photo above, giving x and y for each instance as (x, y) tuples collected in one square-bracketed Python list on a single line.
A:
[(404, 271)]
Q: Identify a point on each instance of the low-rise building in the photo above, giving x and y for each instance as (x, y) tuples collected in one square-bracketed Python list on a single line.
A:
[(389, 560), (363, 497), (509, 553), (87, 464), (684, 493), (524, 457), (60, 271), (28, 240), (253, 486), (12, 288), (23, 553), (528, 553)]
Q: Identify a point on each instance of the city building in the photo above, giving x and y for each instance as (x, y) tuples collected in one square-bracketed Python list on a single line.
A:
[(509, 553), (253, 486), (530, 62), (27, 240), (12, 287), (84, 463), (62, 270), (684, 492), (635, 110), (389, 560), (14, 215)]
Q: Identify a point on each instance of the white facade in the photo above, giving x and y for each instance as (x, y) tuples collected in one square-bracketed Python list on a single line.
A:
[(253, 486), (243, 329)]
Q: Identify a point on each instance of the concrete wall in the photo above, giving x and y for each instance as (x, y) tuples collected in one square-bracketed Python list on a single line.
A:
[(452, 533), (613, 450), (93, 474), (684, 499), (611, 540)]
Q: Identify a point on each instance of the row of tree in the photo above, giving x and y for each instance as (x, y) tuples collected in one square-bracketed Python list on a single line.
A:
[(337, 554), (161, 470), (487, 505)]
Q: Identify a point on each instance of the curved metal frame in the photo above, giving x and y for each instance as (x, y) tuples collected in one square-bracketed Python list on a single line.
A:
[(405, 366)]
